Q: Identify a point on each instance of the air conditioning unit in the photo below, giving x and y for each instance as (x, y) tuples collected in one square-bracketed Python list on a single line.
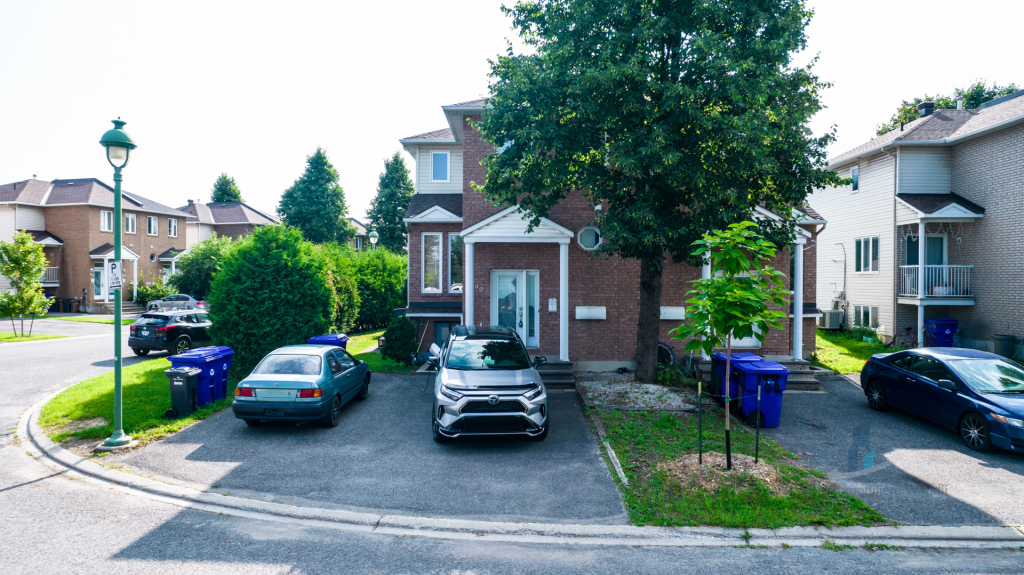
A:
[(832, 319)]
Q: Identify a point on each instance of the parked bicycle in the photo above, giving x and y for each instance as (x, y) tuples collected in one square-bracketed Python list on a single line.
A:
[(908, 340)]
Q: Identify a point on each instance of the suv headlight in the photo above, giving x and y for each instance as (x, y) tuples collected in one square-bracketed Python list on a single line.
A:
[(533, 392), (450, 393), (1009, 420)]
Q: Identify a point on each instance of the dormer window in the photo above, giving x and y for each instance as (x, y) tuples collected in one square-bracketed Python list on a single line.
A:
[(439, 166)]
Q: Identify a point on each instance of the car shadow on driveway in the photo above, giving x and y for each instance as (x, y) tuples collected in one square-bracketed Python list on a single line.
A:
[(909, 469), (381, 457)]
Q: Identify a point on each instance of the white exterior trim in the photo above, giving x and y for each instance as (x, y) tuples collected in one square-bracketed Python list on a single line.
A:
[(547, 232), (434, 215), (447, 169), (126, 254), (440, 263)]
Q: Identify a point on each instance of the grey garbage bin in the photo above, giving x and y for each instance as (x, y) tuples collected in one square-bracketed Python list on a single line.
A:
[(182, 381)]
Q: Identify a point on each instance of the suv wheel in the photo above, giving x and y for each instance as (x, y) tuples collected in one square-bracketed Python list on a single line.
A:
[(543, 434), (140, 352), (181, 345), (435, 429)]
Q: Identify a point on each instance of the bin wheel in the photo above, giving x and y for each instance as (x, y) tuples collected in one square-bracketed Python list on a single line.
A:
[(140, 352), (253, 422), (181, 345), (755, 419)]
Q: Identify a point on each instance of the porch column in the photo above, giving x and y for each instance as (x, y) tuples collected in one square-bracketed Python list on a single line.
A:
[(563, 305), (105, 285), (705, 273), (469, 289), (135, 280), (920, 281), (174, 267), (797, 283)]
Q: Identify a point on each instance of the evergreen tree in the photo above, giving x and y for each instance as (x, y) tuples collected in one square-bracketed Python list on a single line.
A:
[(387, 210), (225, 190), (315, 203)]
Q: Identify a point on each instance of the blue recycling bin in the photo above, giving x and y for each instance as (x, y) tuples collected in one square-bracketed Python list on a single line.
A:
[(338, 339), (940, 332), (771, 378), (211, 383), (718, 373)]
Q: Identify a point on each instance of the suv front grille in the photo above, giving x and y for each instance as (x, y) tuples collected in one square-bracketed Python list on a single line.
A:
[(508, 406)]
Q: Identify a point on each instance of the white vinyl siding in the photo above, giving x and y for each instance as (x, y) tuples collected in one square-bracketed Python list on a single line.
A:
[(424, 171), (205, 232), (30, 218), (867, 213), (905, 214), (864, 316), (191, 235), (924, 171), (153, 225)]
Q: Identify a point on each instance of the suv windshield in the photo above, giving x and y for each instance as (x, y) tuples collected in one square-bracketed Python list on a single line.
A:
[(487, 354), (148, 319), (289, 365), (989, 375)]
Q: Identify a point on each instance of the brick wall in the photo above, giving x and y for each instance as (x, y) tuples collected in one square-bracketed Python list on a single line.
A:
[(474, 206)]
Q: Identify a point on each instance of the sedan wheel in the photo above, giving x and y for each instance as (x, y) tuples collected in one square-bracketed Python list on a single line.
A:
[(335, 415), (974, 432), (364, 391), (876, 396)]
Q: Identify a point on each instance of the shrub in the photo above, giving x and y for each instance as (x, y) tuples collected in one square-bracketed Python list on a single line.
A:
[(382, 287), (146, 293), (342, 266), (273, 289), (196, 268), (399, 340)]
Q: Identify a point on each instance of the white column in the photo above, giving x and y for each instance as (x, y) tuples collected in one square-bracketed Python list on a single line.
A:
[(174, 267), (705, 274), (469, 289), (920, 282), (563, 305), (105, 285), (135, 280), (797, 283)]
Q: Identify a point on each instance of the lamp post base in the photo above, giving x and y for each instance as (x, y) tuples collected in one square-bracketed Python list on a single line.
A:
[(118, 440)]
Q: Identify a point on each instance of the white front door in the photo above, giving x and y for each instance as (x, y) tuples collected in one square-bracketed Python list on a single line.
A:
[(514, 296)]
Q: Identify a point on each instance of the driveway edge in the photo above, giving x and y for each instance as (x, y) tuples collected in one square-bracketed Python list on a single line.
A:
[(40, 447)]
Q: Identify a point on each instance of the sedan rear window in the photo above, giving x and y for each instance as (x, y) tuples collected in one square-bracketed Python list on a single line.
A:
[(989, 375), (151, 319), (487, 354), (289, 365)]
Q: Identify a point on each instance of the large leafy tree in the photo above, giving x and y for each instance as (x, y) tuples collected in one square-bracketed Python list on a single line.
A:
[(225, 190), (974, 96), (679, 117), (23, 262), (315, 203), (197, 268), (387, 209)]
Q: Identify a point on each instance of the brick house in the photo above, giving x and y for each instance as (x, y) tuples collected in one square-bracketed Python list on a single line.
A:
[(231, 219), (953, 178), (74, 221), (473, 263)]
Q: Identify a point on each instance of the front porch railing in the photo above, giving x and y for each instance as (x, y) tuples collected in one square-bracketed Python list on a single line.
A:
[(50, 276), (939, 281)]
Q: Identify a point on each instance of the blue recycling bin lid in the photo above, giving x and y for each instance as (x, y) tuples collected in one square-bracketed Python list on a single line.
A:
[(739, 356), (762, 368), (336, 339), (197, 356)]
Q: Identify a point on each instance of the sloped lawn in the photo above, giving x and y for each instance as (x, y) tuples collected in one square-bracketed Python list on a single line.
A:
[(846, 351)]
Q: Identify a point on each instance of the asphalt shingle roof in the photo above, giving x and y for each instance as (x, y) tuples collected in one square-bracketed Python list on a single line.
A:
[(226, 213), (26, 191), (931, 203), (443, 134), (423, 202), (477, 102)]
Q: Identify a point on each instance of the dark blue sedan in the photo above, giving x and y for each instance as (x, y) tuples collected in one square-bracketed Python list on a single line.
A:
[(978, 394)]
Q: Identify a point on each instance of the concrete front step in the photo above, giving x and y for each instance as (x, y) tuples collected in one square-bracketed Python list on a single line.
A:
[(558, 374)]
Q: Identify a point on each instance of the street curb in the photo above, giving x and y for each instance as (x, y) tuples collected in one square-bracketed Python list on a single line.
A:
[(54, 456)]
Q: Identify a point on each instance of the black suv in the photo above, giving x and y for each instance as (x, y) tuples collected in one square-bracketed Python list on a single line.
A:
[(174, 331)]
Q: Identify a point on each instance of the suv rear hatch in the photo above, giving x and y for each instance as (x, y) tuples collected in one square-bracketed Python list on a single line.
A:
[(146, 326)]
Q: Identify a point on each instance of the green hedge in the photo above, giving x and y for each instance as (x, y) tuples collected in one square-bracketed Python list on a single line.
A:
[(197, 268), (399, 340), (381, 279), (343, 271)]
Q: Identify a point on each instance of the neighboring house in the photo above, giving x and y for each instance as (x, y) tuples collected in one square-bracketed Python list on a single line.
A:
[(944, 191), (359, 242), (232, 219), (74, 221), (473, 263)]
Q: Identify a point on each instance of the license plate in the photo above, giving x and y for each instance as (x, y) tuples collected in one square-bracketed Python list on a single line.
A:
[(279, 412), (145, 333), (275, 393)]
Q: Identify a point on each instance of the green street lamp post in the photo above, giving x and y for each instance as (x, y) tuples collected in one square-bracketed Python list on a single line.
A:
[(373, 240), (119, 147)]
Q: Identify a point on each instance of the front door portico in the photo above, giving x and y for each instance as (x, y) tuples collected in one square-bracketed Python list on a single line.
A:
[(514, 297)]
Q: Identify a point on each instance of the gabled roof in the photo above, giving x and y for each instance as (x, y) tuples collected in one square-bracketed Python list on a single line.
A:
[(24, 192), (931, 203), (442, 135), (107, 249), (220, 213), (44, 237), (170, 255), (451, 203), (509, 225), (479, 102), (358, 225), (96, 193)]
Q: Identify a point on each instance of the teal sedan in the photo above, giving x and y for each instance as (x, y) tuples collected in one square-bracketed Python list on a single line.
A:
[(301, 383)]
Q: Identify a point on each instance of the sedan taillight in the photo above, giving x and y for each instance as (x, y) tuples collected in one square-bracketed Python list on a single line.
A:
[(244, 392), (311, 393)]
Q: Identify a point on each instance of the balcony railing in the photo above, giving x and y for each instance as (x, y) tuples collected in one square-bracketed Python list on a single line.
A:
[(50, 276), (939, 281)]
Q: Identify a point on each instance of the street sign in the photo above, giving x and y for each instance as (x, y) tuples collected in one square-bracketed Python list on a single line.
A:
[(116, 281)]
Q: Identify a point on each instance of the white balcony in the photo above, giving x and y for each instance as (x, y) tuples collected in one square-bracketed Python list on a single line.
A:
[(50, 277), (940, 282)]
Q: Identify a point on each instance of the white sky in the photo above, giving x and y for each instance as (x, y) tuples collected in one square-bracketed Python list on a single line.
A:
[(251, 89)]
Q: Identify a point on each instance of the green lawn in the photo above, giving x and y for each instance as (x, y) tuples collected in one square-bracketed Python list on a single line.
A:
[(358, 343), (145, 397), (377, 364), (87, 319), (846, 351), (642, 440), (11, 338)]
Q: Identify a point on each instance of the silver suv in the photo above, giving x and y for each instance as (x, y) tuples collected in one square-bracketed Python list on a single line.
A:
[(486, 385)]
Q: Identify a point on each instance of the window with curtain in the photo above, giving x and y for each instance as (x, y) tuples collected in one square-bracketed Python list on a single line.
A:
[(865, 254), (431, 262)]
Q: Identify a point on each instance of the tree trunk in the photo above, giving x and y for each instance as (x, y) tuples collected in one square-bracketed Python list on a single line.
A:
[(649, 320), (728, 374)]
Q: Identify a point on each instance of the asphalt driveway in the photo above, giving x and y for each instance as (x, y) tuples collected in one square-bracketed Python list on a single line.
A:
[(909, 469), (382, 457)]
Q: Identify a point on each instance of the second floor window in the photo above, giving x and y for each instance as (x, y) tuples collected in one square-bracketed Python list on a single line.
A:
[(106, 221), (430, 259), (129, 223), (439, 166), (172, 228), (866, 254), (152, 225), (855, 176)]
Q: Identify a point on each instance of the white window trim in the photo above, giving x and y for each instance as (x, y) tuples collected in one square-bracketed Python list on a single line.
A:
[(579, 238), (872, 320), (448, 169), (423, 263), (870, 272), (169, 234), (135, 224), (945, 247), (150, 219), (452, 236), (106, 221)]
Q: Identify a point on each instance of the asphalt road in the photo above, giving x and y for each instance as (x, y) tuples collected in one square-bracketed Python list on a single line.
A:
[(910, 470), (382, 457)]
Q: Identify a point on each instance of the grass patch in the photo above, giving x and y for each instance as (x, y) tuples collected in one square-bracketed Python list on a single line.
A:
[(11, 338), (846, 351), (642, 440), (833, 546), (359, 342), (146, 399), (380, 364), (109, 321), (882, 547)]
